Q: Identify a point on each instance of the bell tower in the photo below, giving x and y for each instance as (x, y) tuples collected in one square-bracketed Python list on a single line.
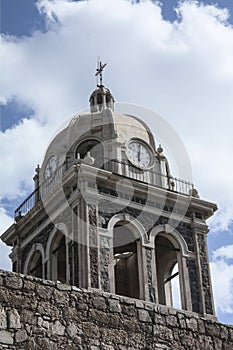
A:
[(106, 214)]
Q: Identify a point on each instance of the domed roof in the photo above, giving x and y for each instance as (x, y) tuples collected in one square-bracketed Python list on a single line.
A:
[(107, 125), (103, 124)]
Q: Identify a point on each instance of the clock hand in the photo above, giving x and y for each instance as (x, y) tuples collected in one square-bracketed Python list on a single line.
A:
[(139, 157)]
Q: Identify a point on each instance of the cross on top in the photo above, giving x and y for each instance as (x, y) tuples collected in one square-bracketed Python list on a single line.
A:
[(99, 71)]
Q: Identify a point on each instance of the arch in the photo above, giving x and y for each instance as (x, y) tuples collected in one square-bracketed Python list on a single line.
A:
[(171, 251), (57, 227), (94, 146), (133, 223), (167, 257), (173, 235), (127, 236), (34, 264), (56, 253)]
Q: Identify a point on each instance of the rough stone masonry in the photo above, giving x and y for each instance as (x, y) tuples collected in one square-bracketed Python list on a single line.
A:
[(38, 314)]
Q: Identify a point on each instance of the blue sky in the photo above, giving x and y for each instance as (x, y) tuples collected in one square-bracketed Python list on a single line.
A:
[(184, 67)]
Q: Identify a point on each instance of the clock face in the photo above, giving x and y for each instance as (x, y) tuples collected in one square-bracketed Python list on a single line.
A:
[(50, 168), (139, 154)]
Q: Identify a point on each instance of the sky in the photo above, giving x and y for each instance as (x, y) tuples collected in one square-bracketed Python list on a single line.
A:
[(172, 57)]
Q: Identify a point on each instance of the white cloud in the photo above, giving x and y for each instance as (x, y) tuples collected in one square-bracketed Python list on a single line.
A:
[(225, 252), (5, 222), (22, 148), (222, 273), (183, 70)]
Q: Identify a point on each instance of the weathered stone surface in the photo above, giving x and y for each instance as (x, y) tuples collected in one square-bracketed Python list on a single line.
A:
[(20, 336), (99, 303), (41, 316), (3, 320), (58, 328), (192, 324), (71, 330), (114, 305), (144, 316), (13, 281), (14, 319), (6, 337)]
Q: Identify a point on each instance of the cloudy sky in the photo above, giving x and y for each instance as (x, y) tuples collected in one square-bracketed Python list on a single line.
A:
[(175, 58)]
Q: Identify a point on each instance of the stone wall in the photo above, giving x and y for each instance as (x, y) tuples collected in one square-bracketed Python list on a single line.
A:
[(39, 314)]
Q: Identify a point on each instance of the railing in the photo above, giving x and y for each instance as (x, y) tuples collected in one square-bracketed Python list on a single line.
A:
[(123, 168), (28, 203), (150, 176), (43, 189)]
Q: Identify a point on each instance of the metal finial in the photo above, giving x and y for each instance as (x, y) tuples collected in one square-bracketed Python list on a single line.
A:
[(99, 71)]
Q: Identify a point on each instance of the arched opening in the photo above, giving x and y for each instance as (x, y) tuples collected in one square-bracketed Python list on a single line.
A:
[(126, 264), (167, 270), (35, 265), (96, 151), (58, 258)]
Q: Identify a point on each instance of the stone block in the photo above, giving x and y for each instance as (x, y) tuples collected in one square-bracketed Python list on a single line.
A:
[(28, 317), (13, 319), (28, 286), (3, 320), (21, 336), (61, 298), (99, 303), (212, 329), (192, 324), (114, 305), (131, 325), (129, 310), (159, 319), (91, 330), (139, 304), (57, 328), (71, 330), (4, 295), (201, 326), (13, 282), (63, 286), (224, 332), (144, 316), (6, 338), (171, 321), (181, 320), (44, 292)]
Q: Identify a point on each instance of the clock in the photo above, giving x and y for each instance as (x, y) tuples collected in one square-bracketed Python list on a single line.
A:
[(51, 167), (139, 154)]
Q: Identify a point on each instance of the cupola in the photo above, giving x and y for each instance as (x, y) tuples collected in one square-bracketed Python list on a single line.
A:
[(101, 99)]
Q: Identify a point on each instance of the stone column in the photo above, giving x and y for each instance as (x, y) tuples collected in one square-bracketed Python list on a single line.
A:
[(105, 260), (205, 287), (93, 246), (150, 283)]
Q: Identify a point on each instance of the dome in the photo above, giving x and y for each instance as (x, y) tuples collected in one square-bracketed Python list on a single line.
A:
[(107, 137)]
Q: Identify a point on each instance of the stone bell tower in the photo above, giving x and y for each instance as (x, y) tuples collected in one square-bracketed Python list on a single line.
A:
[(107, 214)]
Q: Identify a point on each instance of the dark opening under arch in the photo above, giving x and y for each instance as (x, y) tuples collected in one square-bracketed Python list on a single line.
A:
[(126, 264)]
